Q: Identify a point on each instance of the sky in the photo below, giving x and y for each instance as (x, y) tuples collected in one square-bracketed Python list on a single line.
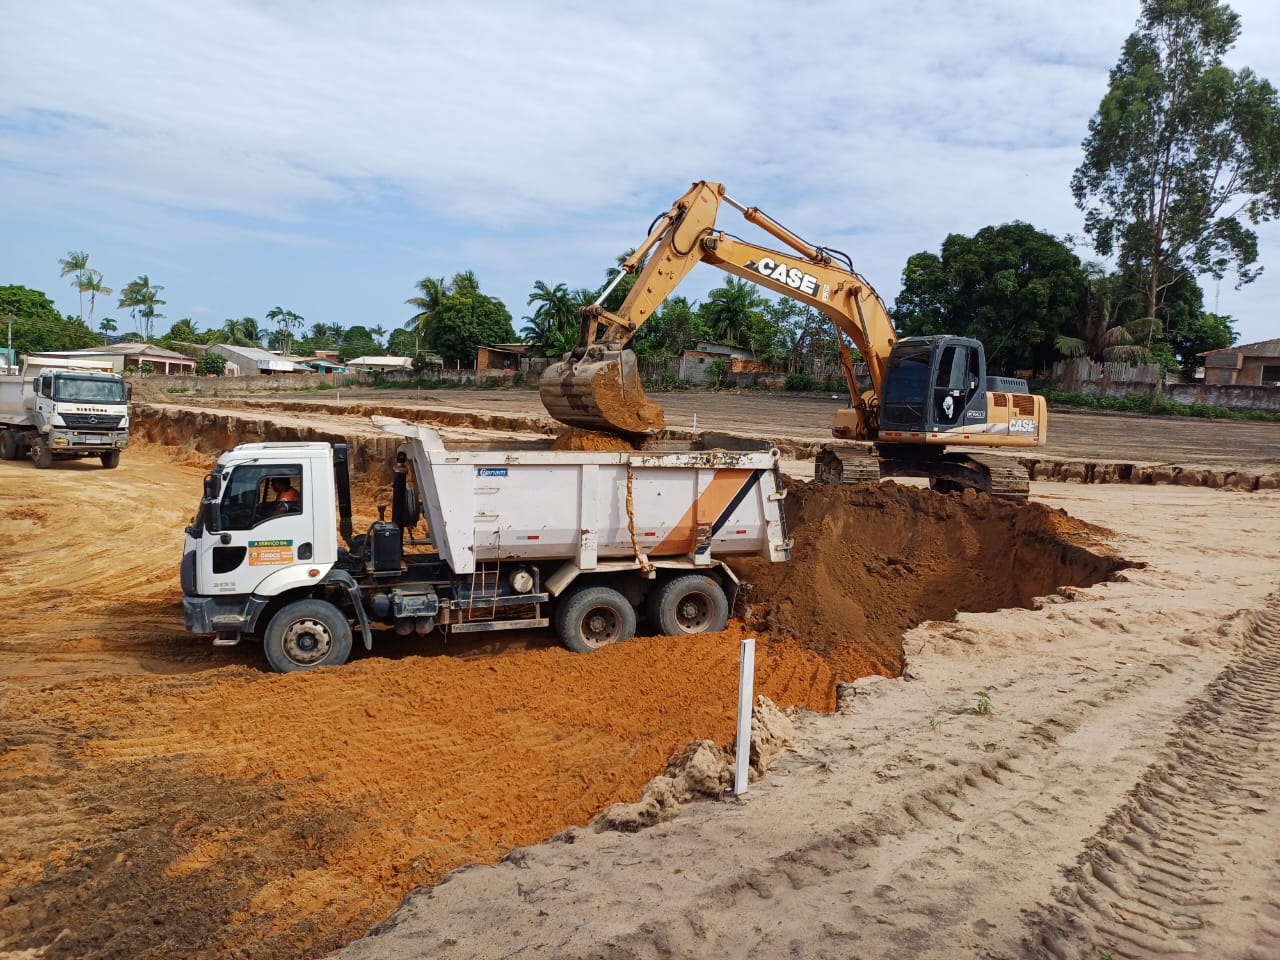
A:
[(325, 156)]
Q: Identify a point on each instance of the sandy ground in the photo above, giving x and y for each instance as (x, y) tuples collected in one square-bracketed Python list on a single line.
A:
[(166, 798), (1118, 800)]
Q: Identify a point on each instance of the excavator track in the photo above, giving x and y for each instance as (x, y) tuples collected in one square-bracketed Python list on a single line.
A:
[(997, 476), (846, 465)]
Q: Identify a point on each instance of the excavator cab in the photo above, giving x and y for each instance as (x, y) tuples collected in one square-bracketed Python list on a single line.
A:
[(934, 385)]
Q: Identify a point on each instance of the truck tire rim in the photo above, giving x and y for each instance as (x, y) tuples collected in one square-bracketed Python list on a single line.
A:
[(307, 642), (600, 626), (693, 612)]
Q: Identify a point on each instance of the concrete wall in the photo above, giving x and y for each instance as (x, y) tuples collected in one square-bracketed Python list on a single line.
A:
[(1231, 397)]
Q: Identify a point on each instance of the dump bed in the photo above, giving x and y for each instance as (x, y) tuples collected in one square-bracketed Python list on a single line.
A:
[(527, 501)]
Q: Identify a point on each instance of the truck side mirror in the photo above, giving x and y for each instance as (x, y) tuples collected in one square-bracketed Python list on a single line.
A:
[(209, 510)]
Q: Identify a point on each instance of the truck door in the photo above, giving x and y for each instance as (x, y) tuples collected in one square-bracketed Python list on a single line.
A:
[(266, 517)]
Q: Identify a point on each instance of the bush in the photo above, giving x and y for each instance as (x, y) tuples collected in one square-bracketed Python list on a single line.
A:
[(800, 383), (211, 364)]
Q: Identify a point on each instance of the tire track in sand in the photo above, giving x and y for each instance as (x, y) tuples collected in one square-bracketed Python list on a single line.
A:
[(1175, 870)]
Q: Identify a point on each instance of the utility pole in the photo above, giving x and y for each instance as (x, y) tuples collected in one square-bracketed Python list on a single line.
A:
[(8, 356)]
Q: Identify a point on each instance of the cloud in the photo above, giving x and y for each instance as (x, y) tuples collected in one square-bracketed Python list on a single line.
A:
[(522, 139)]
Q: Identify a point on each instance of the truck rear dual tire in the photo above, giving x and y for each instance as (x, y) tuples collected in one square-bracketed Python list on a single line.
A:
[(307, 634), (8, 445), (594, 617), (693, 603)]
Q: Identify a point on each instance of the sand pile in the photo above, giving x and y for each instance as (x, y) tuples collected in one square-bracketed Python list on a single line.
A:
[(590, 440), (871, 562)]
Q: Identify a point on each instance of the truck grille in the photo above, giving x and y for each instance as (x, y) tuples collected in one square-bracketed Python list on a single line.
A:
[(91, 421)]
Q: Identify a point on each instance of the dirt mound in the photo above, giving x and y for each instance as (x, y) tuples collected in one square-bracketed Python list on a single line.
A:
[(590, 440), (871, 562)]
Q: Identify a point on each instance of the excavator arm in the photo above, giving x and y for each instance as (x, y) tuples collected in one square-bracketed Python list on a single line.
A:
[(597, 386)]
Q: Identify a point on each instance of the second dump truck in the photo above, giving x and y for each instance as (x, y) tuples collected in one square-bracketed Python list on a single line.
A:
[(481, 537)]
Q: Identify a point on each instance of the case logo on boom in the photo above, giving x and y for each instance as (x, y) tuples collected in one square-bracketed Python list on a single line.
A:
[(793, 277)]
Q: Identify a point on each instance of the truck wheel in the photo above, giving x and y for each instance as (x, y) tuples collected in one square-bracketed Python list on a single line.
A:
[(110, 459), (8, 445), (41, 453), (307, 634), (594, 617), (694, 603)]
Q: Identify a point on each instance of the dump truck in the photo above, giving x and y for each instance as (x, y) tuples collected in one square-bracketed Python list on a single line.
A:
[(481, 537), (927, 394), (62, 408)]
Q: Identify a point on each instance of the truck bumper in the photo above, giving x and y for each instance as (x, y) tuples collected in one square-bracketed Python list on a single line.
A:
[(237, 614), (83, 441)]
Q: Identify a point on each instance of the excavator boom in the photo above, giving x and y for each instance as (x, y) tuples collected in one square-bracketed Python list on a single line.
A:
[(597, 385)]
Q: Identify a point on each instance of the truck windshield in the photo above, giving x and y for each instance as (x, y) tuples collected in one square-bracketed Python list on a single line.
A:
[(88, 389)]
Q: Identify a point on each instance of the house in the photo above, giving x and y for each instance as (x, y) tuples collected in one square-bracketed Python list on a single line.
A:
[(501, 360), (695, 364), (1249, 364), (381, 364), (129, 353), (254, 361)]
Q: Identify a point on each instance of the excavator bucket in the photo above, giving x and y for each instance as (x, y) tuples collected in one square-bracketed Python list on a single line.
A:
[(600, 391)]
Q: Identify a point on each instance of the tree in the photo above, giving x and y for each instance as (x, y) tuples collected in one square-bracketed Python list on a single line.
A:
[(183, 331), (38, 326), (1013, 287), (730, 309), (431, 295), (285, 320), (454, 318), (91, 283), (1209, 331), (1182, 153), (401, 343), (76, 263), (107, 325), (142, 297), (553, 329), (211, 364), (357, 341)]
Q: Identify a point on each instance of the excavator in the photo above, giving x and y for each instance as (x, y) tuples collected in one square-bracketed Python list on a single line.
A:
[(926, 393)]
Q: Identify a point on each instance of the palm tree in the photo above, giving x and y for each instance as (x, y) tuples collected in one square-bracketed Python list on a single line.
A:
[(286, 320), (1100, 334), (553, 328), (433, 292), (76, 262), (251, 332), (378, 333), (107, 325), (142, 297), (91, 283), (729, 309)]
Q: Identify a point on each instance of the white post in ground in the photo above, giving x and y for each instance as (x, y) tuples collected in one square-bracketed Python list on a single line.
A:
[(746, 685)]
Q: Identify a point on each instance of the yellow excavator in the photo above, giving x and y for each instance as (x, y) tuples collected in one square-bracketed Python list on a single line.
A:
[(926, 393)]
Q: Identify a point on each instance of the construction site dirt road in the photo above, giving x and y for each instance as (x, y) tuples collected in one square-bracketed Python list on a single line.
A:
[(1093, 771)]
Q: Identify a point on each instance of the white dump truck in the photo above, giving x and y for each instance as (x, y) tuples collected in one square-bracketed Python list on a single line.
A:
[(481, 537), (61, 408)]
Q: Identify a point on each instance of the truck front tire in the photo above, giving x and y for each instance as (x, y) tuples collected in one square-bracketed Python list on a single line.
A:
[(307, 634), (110, 459), (41, 453), (594, 617), (694, 603)]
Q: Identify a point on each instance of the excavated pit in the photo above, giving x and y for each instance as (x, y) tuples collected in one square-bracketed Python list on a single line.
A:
[(160, 807)]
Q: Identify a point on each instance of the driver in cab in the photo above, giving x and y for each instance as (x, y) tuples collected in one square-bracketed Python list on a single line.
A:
[(287, 499)]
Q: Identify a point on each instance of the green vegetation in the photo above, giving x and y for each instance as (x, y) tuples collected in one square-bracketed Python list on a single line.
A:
[(1183, 155), (1158, 405), (983, 707)]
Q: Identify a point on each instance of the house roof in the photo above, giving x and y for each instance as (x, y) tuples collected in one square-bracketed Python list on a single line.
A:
[(380, 362), (1263, 348), (263, 359), (127, 348)]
